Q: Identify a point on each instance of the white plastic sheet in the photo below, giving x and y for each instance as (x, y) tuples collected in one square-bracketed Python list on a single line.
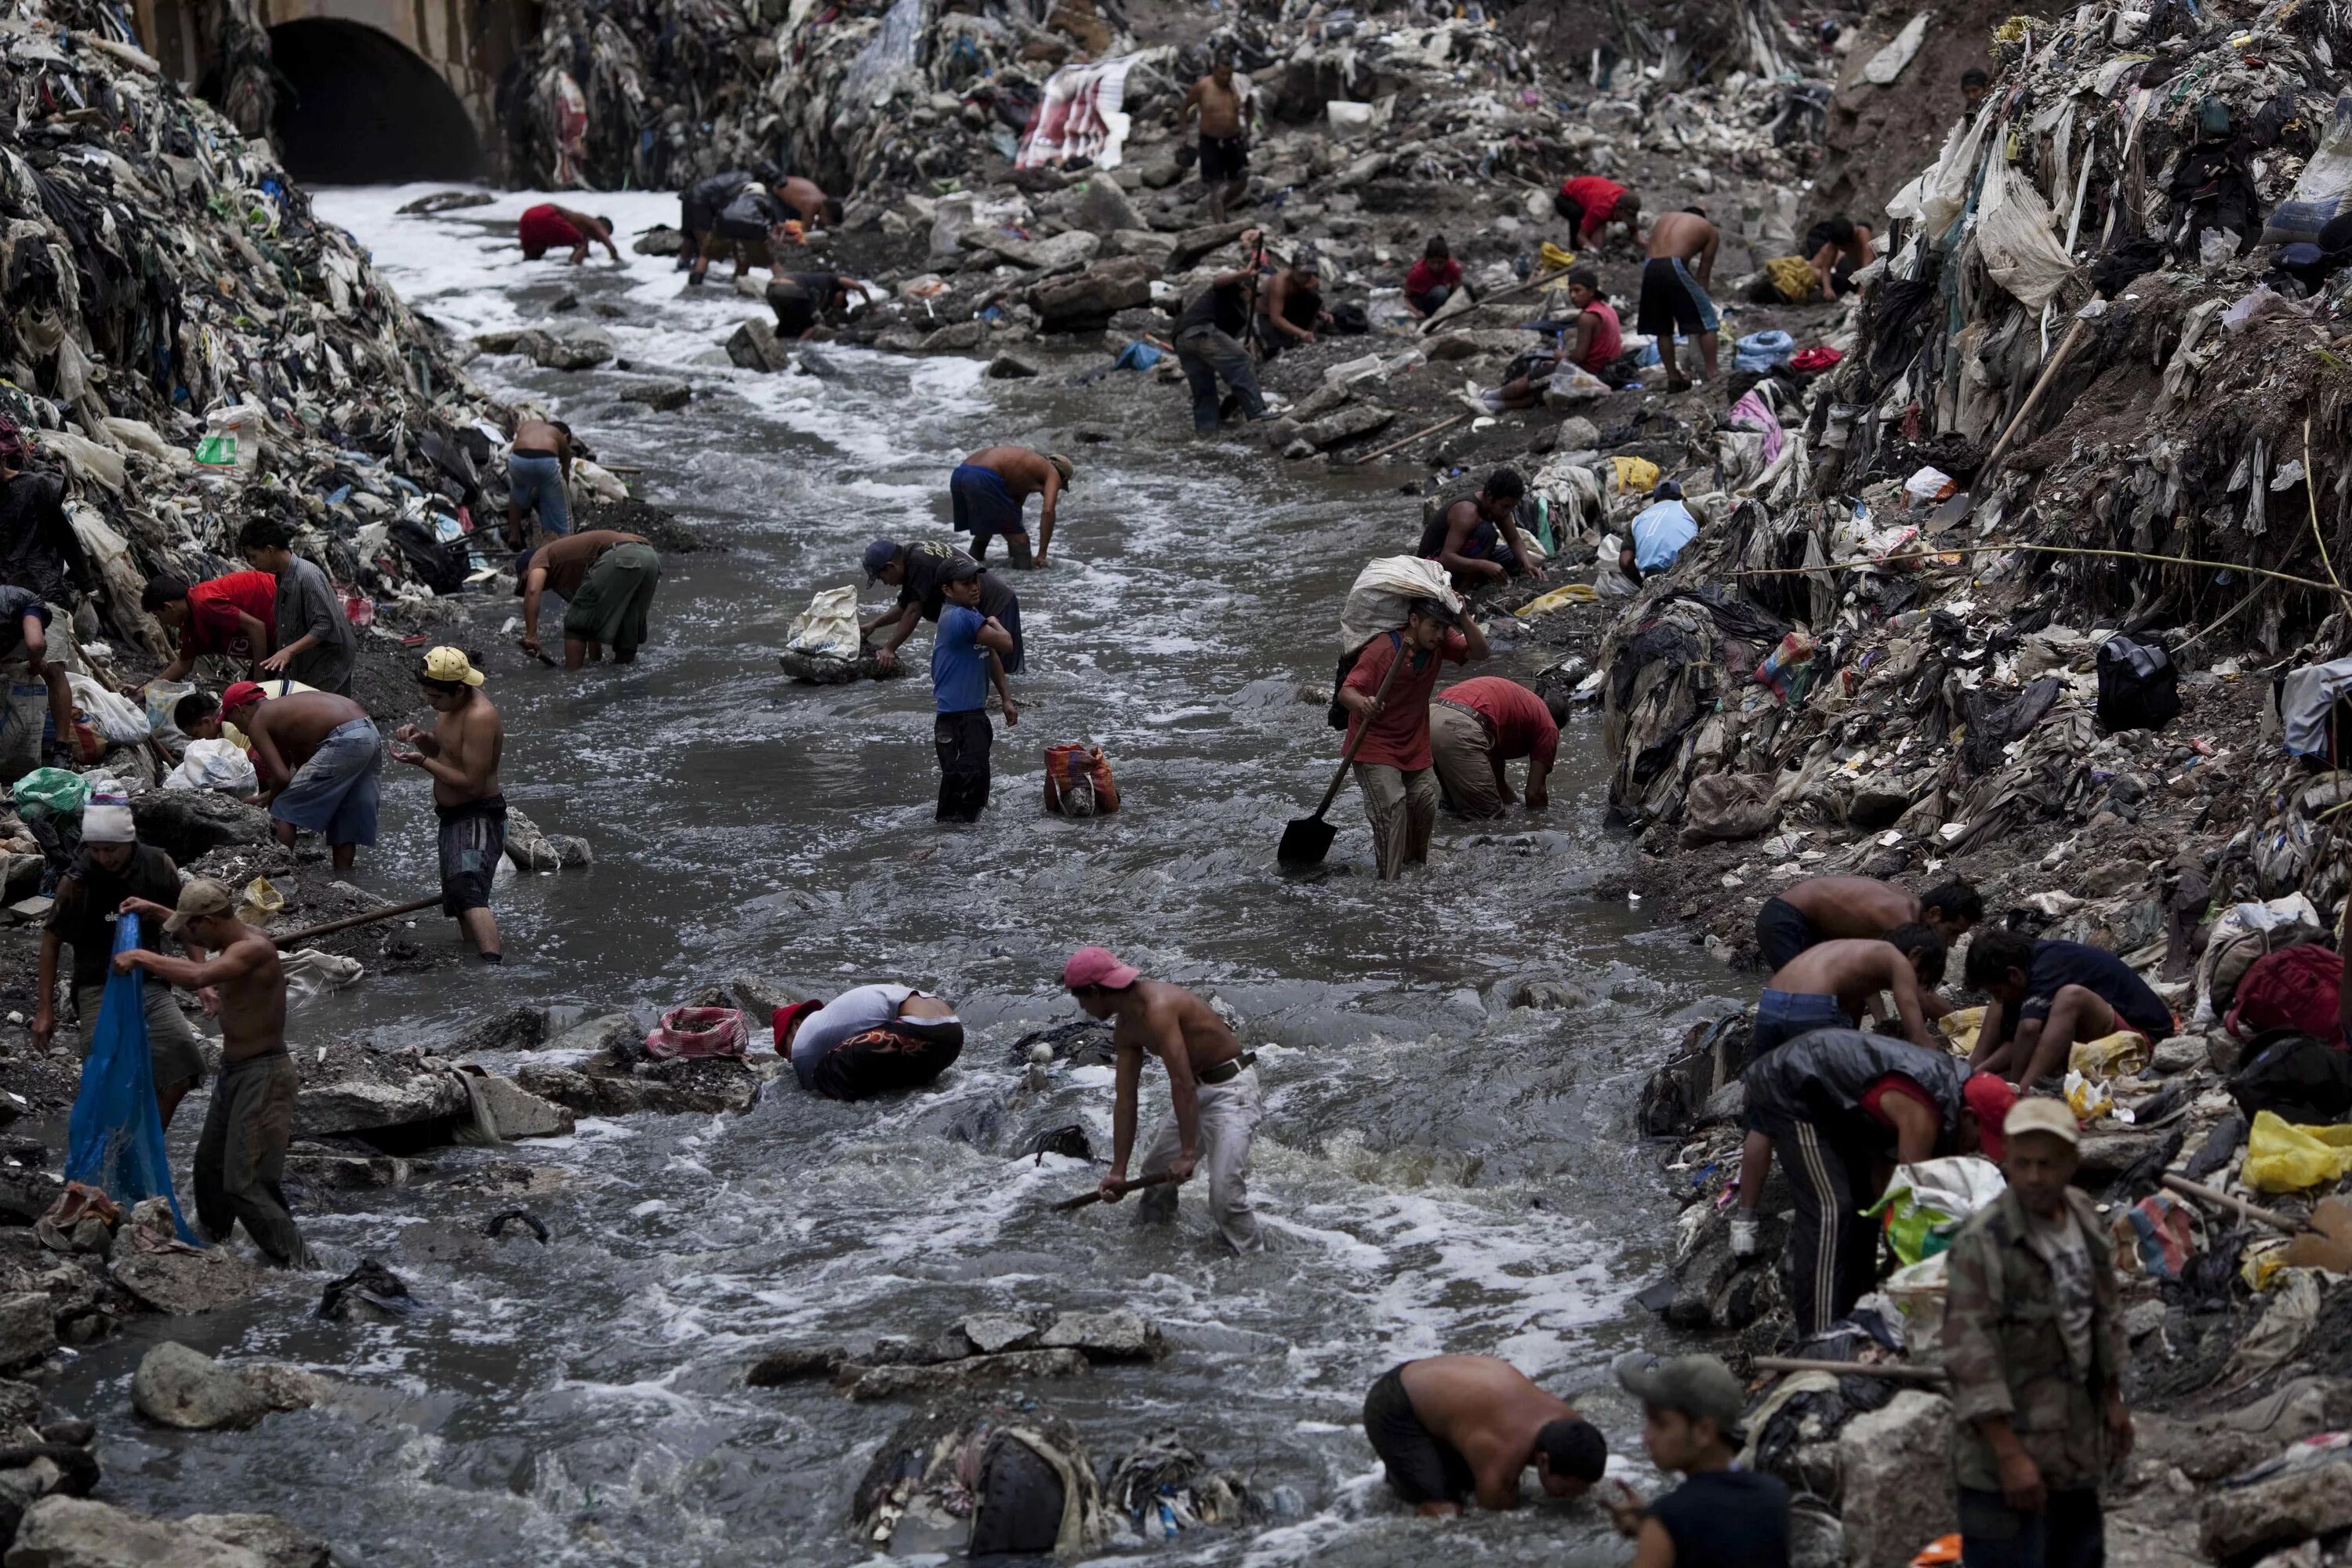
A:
[(219, 765), (828, 626), (1377, 601), (1081, 115), (2017, 239)]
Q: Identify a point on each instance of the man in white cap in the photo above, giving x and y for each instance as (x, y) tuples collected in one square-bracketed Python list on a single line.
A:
[(2034, 1346), (112, 868), (241, 1154), (462, 755), (1212, 1089)]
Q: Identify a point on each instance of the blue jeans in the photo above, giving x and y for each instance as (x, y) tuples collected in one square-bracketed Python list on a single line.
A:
[(535, 485), (1782, 1015), (1207, 354), (2069, 1531)]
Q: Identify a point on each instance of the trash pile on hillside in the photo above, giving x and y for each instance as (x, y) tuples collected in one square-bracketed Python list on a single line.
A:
[(643, 94), (190, 348)]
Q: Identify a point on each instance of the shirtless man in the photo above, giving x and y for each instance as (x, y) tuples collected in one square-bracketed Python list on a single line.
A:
[(1826, 907), (1839, 248), (1453, 1426), (462, 755), (812, 208), (1224, 143), (988, 488), (538, 478), (1674, 299), (318, 758), (1212, 1087), (241, 1154), (1290, 305)]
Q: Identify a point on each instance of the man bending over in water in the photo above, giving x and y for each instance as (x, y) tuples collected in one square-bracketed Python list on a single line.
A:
[(1456, 1427), (989, 488), (241, 1154)]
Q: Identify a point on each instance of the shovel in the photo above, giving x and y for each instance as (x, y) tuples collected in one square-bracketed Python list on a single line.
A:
[(1096, 1197), (1308, 838)]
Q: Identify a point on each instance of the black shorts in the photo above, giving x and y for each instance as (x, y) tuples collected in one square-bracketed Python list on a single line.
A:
[(1223, 158), (1672, 304), (472, 842), (795, 312), (1421, 1468), (1782, 933), (906, 1053)]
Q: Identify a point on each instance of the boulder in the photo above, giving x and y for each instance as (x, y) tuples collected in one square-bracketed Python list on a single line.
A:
[(1103, 208), (188, 824), (1352, 423), (1577, 434), (356, 1172), (20, 1404), (599, 1036), (1010, 366), (956, 337), (282, 1387), (1148, 244), (1161, 172), (572, 346), (1075, 248), (508, 1029), (706, 1087), (76, 1533), (527, 847), (2179, 1053), (2242, 1521), (1195, 243), (1896, 1462), (267, 1536), (178, 1387), (1102, 1336), (658, 395), (519, 1113), (795, 1366), (898, 1382), (1086, 300), (181, 1283), (992, 1333), (754, 346), (364, 1104), (28, 1327)]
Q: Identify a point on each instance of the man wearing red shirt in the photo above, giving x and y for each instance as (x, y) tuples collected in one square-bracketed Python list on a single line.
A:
[(1592, 204), (234, 616), (1431, 281), (547, 227), (1476, 726), (1395, 766)]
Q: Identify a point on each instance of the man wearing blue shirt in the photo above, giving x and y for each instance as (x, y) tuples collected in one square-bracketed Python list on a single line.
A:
[(964, 659)]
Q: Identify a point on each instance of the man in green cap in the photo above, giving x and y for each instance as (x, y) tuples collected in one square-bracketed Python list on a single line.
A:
[(1719, 1516)]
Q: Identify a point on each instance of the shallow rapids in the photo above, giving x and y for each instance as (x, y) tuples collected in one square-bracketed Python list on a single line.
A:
[(1437, 1169)]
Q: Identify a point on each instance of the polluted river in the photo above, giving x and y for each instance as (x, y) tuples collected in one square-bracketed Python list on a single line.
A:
[(1438, 1169)]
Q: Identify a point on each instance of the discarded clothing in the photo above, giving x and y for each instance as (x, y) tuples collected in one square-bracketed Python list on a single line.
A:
[(1080, 116), (334, 792)]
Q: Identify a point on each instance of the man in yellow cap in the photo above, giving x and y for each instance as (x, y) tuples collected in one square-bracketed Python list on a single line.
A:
[(462, 755)]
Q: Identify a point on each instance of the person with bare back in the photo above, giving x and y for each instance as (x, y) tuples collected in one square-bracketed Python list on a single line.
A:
[(1221, 100)]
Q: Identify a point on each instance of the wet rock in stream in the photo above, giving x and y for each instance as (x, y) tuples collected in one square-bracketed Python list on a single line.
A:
[(74, 1532)]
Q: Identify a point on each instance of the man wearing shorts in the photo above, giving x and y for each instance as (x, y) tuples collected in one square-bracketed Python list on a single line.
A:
[(1673, 298), (989, 488), (869, 1041), (462, 755), (1823, 908), (1451, 1428), (320, 760), (606, 580), (539, 480), (1225, 140)]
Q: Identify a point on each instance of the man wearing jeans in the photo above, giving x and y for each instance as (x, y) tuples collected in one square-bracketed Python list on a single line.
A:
[(1395, 766), (1208, 346), (1211, 1090), (2033, 1343)]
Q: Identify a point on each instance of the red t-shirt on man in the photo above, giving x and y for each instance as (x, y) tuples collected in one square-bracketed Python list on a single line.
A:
[(1608, 336), (212, 626), (1522, 726), (1597, 196), (1423, 276), (1399, 735), (544, 228)]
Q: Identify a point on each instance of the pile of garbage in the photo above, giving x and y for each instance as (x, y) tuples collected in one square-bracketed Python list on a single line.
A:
[(193, 348)]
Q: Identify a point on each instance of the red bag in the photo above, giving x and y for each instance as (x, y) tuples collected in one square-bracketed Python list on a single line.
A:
[(1079, 782), (2294, 988), (697, 1031)]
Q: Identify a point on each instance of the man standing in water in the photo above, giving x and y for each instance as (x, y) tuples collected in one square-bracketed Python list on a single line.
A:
[(316, 645), (965, 657), (1456, 1427), (539, 480), (320, 760), (989, 490), (1225, 140), (1674, 299), (462, 755), (1212, 1089), (241, 1154), (1395, 766), (606, 580)]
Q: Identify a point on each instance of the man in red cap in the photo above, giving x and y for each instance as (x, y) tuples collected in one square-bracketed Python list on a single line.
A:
[(1212, 1087), (869, 1041), (320, 760)]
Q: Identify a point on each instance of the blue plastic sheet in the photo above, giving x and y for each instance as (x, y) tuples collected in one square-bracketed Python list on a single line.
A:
[(115, 1140)]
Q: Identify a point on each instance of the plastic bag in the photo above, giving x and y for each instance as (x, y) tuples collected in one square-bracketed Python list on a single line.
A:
[(1926, 1202), (2014, 238), (1762, 351), (219, 764), (697, 1032), (161, 697), (828, 626), (260, 900), (2119, 1055), (110, 713), (52, 791), (115, 1137), (2090, 1098), (2282, 1157), (2320, 192), (1635, 476)]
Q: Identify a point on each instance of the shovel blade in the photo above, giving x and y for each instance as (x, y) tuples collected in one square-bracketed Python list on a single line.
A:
[(1304, 842)]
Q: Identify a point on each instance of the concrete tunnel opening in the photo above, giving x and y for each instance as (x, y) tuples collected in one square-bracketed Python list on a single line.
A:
[(359, 108)]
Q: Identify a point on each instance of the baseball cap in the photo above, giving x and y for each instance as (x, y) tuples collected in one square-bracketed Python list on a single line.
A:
[(878, 556), (1096, 966), (1990, 1096), (1062, 465), (1697, 1386), (200, 896), (240, 693), (450, 664), (2050, 1116)]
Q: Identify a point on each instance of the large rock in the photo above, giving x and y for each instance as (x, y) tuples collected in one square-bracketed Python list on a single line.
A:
[(178, 1387), (1896, 1462), (1075, 248), (992, 1333), (185, 1282), (2243, 1521), (267, 1536), (365, 1105), (1101, 1336), (1352, 423), (1010, 366), (1103, 208), (573, 346), (599, 1036), (957, 337), (705, 1087), (75, 1532), (519, 1113), (896, 1382), (755, 346), (1086, 300), (509, 1029), (662, 395), (28, 1327), (1195, 243), (188, 824)]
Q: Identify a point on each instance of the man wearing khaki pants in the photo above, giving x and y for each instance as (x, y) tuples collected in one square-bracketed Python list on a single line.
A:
[(1476, 726)]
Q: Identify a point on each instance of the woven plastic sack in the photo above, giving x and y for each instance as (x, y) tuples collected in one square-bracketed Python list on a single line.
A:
[(1079, 782), (115, 1136), (220, 764), (2282, 1157), (697, 1032), (1925, 1203), (55, 791), (828, 626)]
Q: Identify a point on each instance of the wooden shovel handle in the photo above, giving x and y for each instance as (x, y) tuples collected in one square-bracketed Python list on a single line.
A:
[(1362, 729), (1159, 1179)]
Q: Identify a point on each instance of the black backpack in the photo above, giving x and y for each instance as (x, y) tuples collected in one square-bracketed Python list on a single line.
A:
[(2301, 1079), (439, 567), (2139, 689)]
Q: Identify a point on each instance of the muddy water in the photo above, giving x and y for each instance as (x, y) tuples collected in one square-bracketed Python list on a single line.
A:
[(1438, 1171)]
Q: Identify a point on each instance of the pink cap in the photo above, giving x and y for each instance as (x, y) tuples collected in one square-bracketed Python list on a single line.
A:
[(1096, 966), (1990, 1097)]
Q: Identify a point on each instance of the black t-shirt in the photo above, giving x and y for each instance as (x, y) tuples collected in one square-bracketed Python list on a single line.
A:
[(90, 893), (2057, 964), (928, 564), (1223, 306), (38, 548), (1726, 1519)]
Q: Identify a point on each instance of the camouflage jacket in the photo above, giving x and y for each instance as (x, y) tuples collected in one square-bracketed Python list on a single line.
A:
[(2005, 1355)]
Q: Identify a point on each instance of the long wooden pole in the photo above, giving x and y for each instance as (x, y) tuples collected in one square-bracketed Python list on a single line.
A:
[(370, 917), (1394, 445), (2074, 335), (2270, 1218), (1898, 1372)]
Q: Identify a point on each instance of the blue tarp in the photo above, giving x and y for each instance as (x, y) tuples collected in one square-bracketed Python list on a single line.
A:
[(116, 1136)]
